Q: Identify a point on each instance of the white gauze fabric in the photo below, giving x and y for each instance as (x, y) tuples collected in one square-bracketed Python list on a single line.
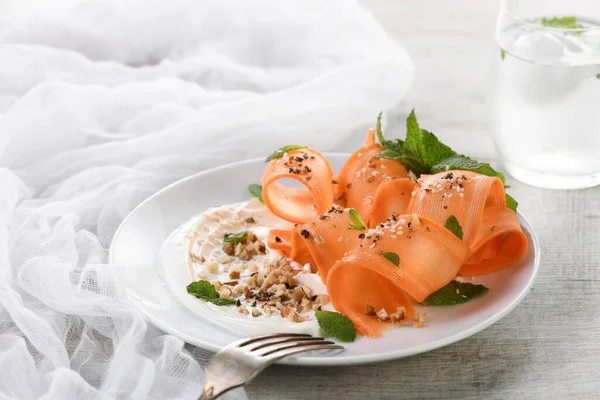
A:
[(102, 103)]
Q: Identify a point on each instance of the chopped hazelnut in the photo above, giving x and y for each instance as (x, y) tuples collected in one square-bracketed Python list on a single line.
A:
[(212, 267), (228, 248), (369, 310), (382, 315), (217, 284), (243, 310), (256, 313), (252, 268), (225, 292)]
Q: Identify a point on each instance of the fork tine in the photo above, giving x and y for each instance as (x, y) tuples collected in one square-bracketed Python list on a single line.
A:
[(297, 346), (275, 355), (274, 336), (268, 343)]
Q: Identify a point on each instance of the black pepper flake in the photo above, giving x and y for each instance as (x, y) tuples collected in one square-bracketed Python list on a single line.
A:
[(445, 207), (305, 156), (299, 159), (319, 308), (427, 190), (380, 252), (314, 297), (408, 236), (449, 175), (312, 157), (305, 233), (348, 186), (493, 227), (402, 193), (254, 303), (361, 236), (288, 286), (278, 239), (308, 178), (381, 225), (461, 185), (331, 210), (409, 223), (307, 168), (238, 302), (323, 216), (428, 229), (334, 181)]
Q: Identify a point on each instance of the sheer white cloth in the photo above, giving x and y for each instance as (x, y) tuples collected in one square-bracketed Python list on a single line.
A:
[(103, 103)]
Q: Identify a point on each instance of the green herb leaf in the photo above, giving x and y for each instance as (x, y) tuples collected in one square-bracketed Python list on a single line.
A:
[(561, 22), (598, 76), (465, 163), (235, 238), (511, 202), (392, 257), (285, 149), (455, 293), (256, 191), (379, 131), (453, 226), (502, 54), (424, 144), (410, 162), (204, 290), (356, 221), (336, 325)]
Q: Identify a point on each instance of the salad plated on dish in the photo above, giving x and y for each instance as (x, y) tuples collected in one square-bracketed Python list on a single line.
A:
[(404, 226)]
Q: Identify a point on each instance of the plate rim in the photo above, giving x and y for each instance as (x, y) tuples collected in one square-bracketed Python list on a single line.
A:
[(326, 360)]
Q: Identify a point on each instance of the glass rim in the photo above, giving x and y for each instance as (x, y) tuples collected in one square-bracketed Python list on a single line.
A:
[(543, 27)]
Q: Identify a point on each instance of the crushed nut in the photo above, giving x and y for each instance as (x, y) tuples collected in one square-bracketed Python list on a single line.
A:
[(250, 220), (398, 316), (382, 315), (225, 292), (197, 258), (420, 322), (228, 248), (212, 267), (256, 312), (369, 310), (217, 284), (243, 310)]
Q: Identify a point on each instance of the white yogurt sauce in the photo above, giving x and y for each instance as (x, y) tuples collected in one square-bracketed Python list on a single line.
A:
[(202, 237)]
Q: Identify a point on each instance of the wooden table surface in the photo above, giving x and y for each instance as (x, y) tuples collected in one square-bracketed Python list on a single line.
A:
[(549, 346)]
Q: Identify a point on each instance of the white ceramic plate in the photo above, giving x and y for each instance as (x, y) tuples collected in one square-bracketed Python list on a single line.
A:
[(136, 244)]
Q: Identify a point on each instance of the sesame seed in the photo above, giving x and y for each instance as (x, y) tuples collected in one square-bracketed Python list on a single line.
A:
[(461, 195), (393, 236), (457, 291), (340, 239)]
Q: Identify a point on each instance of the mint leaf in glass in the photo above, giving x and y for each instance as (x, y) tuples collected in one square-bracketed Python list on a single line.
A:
[(561, 22)]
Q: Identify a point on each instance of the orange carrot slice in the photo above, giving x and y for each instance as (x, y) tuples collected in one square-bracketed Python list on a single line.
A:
[(391, 198), (311, 169), (290, 244), (429, 255), (363, 173), (328, 238), (491, 231), (499, 243), (463, 194)]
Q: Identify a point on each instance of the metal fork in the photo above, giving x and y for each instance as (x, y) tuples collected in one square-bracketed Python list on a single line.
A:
[(242, 361)]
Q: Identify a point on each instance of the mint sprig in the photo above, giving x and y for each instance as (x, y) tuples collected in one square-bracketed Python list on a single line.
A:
[(356, 221), (392, 257), (502, 54), (423, 153), (455, 293), (204, 290), (285, 149), (255, 190), (336, 325), (235, 238), (453, 226)]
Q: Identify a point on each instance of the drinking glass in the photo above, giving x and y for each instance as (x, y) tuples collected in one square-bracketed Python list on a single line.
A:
[(544, 98)]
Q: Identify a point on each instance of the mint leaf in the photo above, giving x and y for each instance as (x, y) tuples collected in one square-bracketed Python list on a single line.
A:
[(424, 144), (502, 54), (379, 131), (455, 293), (561, 22), (511, 203), (256, 191), (392, 257), (235, 238), (598, 76), (204, 290), (280, 152), (394, 145), (410, 162), (461, 162), (453, 226), (356, 221), (336, 325)]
